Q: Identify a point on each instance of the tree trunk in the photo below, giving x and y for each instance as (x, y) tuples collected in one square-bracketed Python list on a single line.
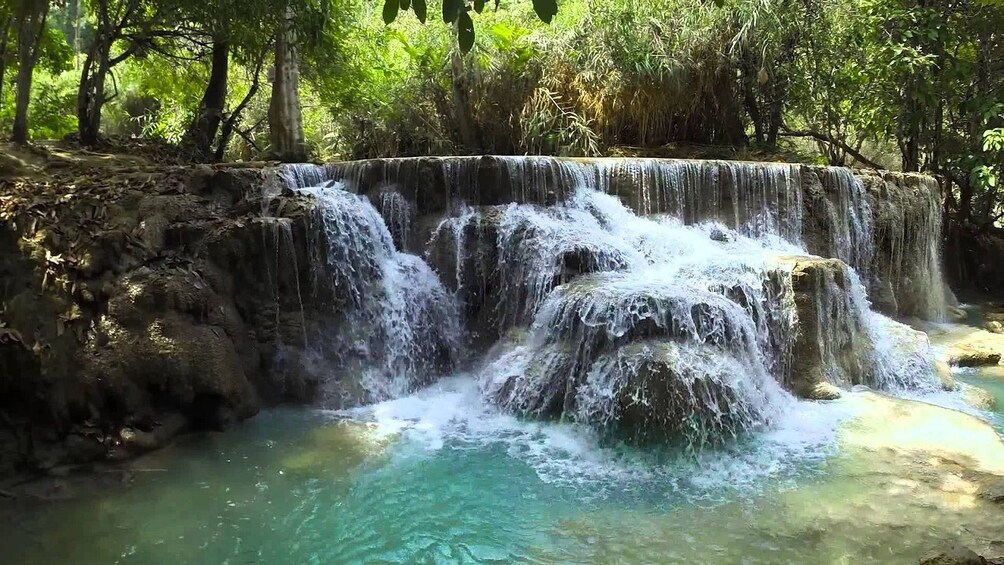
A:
[(202, 132), (910, 144), (230, 124), (77, 16), (775, 115), (285, 121), (462, 106), (5, 21), (749, 80), (91, 91), (98, 63), (965, 200), (31, 25)]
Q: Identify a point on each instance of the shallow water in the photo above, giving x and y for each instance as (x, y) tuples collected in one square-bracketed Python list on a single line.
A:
[(438, 477), (990, 379)]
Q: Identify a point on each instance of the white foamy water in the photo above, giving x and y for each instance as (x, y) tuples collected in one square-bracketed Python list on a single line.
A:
[(452, 414), (399, 316), (680, 325), (619, 306)]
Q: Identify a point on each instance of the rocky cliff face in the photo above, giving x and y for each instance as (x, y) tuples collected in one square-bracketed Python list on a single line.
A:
[(138, 304)]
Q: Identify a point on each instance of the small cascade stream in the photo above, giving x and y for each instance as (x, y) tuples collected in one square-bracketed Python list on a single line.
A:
[(399, 321)]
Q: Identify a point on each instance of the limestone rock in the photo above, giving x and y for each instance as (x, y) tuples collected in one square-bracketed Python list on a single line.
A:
[(137, 441), (954, 555), (965, 346), (824, 391), (993, 492), (957, 314), (829, 342), (668, 390), (972, 355), (977, 397), (994, 321)]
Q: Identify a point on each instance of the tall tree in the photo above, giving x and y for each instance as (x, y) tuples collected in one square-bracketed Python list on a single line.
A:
[(233, 29), (30, 22), (285, 120), (133, 23), (202, 132), (6, 19)]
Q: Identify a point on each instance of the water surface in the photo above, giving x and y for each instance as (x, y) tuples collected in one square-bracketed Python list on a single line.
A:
[(437, 477)]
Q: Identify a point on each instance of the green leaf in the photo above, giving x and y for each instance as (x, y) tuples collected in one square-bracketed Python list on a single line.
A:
[(465, 32), (390, 10), (479, 6), (451, 9), (405, 4), (546, 9), (420, 9)]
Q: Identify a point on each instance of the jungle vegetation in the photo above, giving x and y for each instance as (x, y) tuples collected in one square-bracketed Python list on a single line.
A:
[(915, 85)]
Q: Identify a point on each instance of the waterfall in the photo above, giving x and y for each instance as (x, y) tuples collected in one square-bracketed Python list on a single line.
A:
[(851, 217), (397, 319), (397, 215), (303, 175), (911, 244), (616, 302), (655, 300)]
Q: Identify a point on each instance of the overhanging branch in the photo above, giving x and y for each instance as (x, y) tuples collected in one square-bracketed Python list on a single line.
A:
[(835, 142)]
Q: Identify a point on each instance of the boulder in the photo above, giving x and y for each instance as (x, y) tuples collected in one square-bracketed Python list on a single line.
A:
[(967, 354), (829, 346), (650, 390), (953, 555), (993, 491), (668, 390), (994, 322), (965, 346)]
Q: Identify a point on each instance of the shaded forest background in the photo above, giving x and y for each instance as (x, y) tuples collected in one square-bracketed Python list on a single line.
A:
[(913, 85)]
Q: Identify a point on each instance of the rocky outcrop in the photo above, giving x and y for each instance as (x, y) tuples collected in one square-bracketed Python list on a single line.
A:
[(194, 295), (829, 345), (956, 555), (977, 349), (141, 303)]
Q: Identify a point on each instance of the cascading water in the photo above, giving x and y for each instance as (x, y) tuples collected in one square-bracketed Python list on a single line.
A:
[(695, 320), (850, 217), (664, 302), (665, 329), (397, 215), (399, 320)]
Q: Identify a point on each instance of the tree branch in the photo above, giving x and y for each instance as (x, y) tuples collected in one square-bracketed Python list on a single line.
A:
[(834, 142), (230, 125)]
